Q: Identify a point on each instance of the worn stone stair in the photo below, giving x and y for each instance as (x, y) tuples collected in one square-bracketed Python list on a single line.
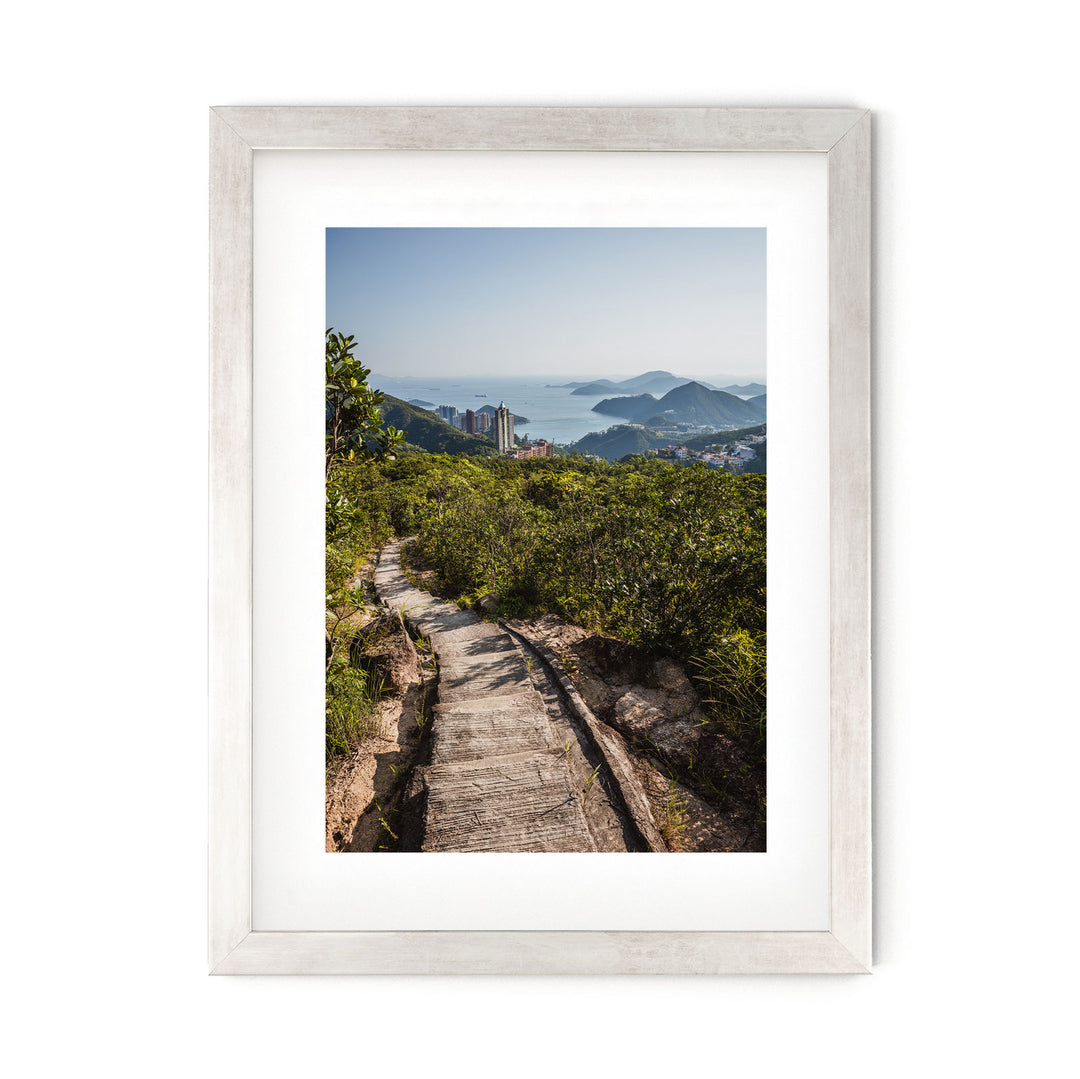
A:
[(497, 781)]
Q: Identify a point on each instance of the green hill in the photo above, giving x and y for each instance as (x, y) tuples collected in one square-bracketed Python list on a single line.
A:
[(635, 408), (618, 442), (722, 438), (426, 431), (693, 403)]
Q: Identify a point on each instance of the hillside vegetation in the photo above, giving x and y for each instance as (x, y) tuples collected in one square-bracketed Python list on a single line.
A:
[(667, 558), (672, 559)]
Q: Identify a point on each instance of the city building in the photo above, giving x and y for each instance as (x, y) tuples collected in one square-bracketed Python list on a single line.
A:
[(483, 422), (539, 448), (504, 428), (450, 414), (470, 422)]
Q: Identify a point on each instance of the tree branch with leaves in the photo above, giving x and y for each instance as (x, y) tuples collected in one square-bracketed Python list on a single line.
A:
[(355, 432)]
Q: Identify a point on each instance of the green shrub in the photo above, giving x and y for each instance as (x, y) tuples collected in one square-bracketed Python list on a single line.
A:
[(352, 708)]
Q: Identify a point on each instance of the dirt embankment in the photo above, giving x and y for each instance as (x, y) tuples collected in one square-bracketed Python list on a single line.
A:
[(364, 791)]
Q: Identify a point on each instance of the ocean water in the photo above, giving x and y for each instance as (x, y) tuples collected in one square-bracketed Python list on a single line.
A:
[(553, 413)]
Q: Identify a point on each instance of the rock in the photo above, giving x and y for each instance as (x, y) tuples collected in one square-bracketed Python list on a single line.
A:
[(676, 738), (671, 678), (489, 604), (387, 651), (635, 716)]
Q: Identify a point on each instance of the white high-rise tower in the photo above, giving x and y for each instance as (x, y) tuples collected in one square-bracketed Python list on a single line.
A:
[(504, 429)]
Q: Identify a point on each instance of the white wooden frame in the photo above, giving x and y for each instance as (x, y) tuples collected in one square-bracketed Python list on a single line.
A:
[(843, 135)]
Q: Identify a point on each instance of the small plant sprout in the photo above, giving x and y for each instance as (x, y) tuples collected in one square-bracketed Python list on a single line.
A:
[(421, 718), (384, 822), (673, 820), (589, 781)]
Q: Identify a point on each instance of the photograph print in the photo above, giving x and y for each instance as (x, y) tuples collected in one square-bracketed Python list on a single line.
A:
[(545, 540)]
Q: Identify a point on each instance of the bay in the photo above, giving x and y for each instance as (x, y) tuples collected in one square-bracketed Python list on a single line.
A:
[(553, 412)]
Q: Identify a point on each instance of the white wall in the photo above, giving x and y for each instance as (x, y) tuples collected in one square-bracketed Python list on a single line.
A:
[(104, 419)]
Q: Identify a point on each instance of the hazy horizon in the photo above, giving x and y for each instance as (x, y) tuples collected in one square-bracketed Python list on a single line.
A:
[(567, 305), (719, 381)]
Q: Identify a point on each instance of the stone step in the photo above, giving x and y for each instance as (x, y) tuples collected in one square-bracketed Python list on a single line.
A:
[(472, 736), (440, 620), (497, 782), (528, 701), (517, 803), (488, 646), (496, 665), (459, 637), (479, 688)]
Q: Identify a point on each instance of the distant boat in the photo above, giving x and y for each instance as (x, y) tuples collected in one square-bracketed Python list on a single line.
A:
[(479, 395)]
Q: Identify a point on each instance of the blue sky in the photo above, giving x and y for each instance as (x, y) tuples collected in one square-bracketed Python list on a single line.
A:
[(584, 303)]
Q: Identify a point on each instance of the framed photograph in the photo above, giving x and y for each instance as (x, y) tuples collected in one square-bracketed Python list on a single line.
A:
[(535, 562)]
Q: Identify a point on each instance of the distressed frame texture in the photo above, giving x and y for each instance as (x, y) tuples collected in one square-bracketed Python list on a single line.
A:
[(843, 135)]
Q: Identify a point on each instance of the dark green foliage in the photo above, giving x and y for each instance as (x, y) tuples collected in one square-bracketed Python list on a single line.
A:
[(667, 557), (354, 428), (355, 431)]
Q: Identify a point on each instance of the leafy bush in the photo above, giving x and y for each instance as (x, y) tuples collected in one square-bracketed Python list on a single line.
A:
[(666, 557)]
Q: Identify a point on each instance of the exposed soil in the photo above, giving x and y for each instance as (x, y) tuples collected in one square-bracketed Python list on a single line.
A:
[(364, 791)]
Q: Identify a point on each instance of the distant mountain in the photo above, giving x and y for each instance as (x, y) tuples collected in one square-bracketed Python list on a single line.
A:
[(655, 382), (635, 408), (692, 403), (744, 391), (421, 404), (618, 442), (640, 381), (426, 431), (758, 402), (593, 389)]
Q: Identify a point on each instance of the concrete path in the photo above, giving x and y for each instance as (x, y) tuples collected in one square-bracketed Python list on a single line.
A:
[(498, 780)]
